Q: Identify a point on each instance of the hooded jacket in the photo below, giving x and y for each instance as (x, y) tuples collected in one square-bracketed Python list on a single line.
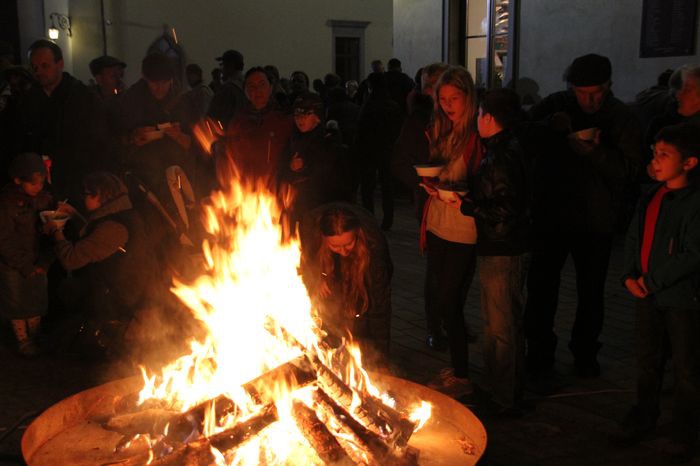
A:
[(112, 254)]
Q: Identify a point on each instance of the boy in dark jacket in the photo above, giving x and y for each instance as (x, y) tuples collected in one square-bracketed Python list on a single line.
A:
[(500, 204), (23, 285), (662, 270)]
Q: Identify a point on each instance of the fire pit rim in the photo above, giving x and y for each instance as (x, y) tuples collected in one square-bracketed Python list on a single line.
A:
[(98, 401)]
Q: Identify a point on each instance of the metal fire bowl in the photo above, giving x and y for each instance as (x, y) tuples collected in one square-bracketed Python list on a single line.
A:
[(68, 434)]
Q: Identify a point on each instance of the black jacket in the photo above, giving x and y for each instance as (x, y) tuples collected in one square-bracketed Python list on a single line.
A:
[(584, 192), (500, 202), (324, 176), (70, 126)]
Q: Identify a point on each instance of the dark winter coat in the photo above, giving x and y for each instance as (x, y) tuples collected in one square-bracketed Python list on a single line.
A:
[(256, 142), (373, 327), (501, 197), (590, 185), (228, 100), (70, 126), (324, 176), (149, 161), (377, 129), (113, 259), (413, 148), (22, 295), (673, 278)]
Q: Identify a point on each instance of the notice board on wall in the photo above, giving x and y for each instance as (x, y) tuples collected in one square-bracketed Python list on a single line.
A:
[(668, 28)]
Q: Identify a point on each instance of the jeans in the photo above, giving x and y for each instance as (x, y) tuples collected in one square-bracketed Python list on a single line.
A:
[(502, 279), (660, 332), (591, 255), (450, 270)]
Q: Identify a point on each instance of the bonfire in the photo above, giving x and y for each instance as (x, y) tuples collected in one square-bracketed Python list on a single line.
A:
[(263, 386)]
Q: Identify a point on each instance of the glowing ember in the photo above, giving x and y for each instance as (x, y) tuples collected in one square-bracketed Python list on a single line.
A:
[(253, 280)]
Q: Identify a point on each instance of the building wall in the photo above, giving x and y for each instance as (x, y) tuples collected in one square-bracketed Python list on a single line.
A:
[(417, 33), (553, 33), (289, 34)]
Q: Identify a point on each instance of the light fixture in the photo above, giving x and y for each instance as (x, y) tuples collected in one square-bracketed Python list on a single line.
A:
[(63, 22)]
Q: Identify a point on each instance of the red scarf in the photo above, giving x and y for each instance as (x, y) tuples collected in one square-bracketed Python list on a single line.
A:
[(473, 153)]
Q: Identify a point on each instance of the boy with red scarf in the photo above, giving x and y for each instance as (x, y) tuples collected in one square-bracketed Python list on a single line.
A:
[(662, 270)]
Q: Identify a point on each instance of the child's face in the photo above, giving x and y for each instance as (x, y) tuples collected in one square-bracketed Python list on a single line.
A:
[(33, 187), (668, 165), (92, 201), (453, 102)]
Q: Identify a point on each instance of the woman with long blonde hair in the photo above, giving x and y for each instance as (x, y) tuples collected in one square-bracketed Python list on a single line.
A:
[(447, 237), (347, 269)]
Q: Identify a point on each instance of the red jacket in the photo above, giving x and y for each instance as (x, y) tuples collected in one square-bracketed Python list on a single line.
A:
[(255, 144)]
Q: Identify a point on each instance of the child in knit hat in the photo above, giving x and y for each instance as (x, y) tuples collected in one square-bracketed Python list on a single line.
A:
[(23, 283)]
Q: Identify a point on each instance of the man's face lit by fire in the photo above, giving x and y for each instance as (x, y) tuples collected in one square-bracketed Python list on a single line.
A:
[(47, 70), (590, 98), (110, 79), (689, 97), (258, 90), (342, 244)]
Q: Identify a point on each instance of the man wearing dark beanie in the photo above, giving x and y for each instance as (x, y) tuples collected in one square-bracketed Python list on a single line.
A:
[(580, 180), (155, 129)]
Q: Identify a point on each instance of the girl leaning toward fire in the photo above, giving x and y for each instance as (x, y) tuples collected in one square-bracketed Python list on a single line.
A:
[(347, 269), (448, 238)]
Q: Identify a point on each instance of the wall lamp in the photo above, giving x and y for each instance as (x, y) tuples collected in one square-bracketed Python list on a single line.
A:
[(63, 22)]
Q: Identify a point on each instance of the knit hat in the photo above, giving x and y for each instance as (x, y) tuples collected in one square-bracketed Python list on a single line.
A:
[(24, 165), (589, 70), (157, 67), (105, 61), (309, 103)]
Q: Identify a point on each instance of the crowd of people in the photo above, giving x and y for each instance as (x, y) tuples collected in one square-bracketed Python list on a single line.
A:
[(516, 191)]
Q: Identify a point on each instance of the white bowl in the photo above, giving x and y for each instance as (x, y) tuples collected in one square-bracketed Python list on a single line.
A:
[(60, 218), (587, 134), (428, 170), (447, 191)]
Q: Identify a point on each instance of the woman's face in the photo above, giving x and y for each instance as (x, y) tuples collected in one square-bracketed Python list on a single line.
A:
[(342, 244), (258, 89), (453, 101)]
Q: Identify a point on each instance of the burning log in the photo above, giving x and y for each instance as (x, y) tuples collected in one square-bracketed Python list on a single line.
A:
[(198, 452), (318, 435), (295, 374), (361, 444), (395, 428)]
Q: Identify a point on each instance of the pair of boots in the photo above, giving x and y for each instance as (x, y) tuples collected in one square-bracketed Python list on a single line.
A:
[(26, 332)]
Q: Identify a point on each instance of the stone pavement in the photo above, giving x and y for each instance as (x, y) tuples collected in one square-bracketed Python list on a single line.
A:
[(568, 426)]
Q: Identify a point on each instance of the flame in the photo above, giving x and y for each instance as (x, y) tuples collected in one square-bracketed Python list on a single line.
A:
[(251, 276)]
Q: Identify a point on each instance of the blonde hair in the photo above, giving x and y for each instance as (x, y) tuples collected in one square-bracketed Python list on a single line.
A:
[(448, 140), (336, 221)]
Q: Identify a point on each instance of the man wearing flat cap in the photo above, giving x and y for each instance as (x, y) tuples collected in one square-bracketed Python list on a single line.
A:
[(109, 75), (590, 153), (230, 97)]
